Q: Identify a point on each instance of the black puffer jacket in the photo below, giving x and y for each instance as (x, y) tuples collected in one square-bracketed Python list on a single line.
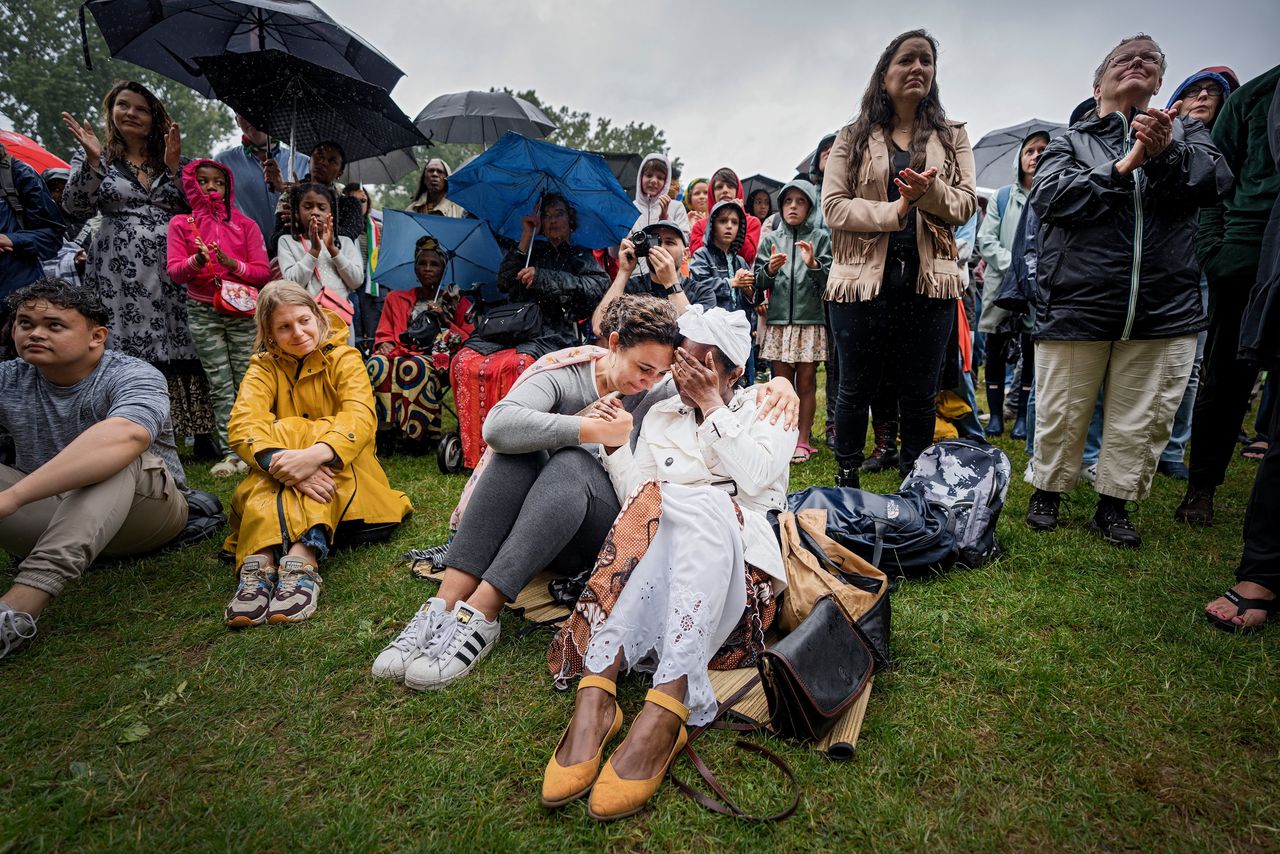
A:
[(1117, 256)]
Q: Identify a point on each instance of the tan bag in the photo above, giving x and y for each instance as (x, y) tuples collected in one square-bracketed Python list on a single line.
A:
[(808, 581)]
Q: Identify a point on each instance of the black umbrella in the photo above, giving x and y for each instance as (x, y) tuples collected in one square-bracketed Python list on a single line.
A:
[(164, 34), (993, 155), (289, 98), (483, 117), (761, 182), (384, 169)]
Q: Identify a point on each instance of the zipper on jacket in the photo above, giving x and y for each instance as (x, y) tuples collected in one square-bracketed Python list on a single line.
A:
[(1135, 271)]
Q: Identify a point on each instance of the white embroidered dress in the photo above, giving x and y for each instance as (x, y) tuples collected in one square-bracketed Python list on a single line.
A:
[(689, 590)]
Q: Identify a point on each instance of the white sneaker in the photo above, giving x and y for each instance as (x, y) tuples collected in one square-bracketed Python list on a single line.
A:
[(412, 642), (1090, 473), (17, 628), (465, 639)]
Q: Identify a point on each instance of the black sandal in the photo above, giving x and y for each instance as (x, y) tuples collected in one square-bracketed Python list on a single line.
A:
[(1267, 606)]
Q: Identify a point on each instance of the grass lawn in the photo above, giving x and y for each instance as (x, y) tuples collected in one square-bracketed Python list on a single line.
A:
[(1067, 696)]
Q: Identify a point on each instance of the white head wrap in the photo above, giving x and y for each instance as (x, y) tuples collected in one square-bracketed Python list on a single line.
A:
[(728, 331)]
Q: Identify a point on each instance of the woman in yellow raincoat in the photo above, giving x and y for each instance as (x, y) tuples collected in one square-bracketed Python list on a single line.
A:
[(304, 422)]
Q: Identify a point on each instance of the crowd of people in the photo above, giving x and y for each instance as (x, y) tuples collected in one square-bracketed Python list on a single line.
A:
[(1120, 290)]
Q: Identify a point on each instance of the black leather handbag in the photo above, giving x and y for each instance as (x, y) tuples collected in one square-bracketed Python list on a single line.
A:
[(814, 674), (510, 324)]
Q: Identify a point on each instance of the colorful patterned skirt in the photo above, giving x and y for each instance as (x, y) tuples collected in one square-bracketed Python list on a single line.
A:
[(407, 394), (478, 383)]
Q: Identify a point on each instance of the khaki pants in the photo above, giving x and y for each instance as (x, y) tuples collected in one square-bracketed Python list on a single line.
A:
[(137, 510), (1144, 382)]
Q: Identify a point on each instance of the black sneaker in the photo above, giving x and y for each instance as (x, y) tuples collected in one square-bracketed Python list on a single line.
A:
[(1042, 510), (1112, 521), (847, 477), (1196, 508)]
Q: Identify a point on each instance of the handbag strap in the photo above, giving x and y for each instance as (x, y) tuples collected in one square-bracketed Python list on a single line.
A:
[(726, 805)]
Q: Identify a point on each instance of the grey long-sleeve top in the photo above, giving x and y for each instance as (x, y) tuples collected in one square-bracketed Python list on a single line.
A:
[(538, 414)]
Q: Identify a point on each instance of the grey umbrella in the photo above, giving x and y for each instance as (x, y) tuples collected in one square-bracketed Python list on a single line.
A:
[(383, 169), (994, 154), (483, 117)]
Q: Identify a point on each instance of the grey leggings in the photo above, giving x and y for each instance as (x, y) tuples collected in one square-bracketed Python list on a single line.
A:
[(530, 512)]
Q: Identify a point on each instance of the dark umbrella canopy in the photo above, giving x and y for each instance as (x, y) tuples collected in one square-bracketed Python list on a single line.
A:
[(481, 117), (994, 154), (163, 35), (384, 169), (761, 182), (505, 184), (291, 99)]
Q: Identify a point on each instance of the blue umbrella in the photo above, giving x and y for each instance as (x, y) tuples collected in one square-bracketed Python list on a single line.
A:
[(503, 185), (474, 255)]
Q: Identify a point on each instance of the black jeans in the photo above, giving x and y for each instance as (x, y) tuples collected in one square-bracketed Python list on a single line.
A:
[(898, 337), (998, 346), (1223, 396), (530, 512), (1260, 560)]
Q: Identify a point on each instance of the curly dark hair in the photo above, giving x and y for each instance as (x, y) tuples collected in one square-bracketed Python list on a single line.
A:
[(295, 198), (877, 110), (114, 150), (555, 198), (63, 294), (640, 319)]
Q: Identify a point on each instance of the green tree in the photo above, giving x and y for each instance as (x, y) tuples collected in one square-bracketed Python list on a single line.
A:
[(575, 129), (42, 73)]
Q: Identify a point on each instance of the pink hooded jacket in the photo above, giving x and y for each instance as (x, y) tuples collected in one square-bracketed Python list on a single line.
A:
[(216, 220)]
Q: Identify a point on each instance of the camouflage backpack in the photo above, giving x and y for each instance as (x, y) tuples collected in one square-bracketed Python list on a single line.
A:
[(970, 480)]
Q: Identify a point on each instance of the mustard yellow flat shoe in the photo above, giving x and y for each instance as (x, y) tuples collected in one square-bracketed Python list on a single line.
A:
[(564, 783), (615, 797)]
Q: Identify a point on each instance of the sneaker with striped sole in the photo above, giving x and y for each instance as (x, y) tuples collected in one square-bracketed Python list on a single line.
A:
[(457, 648)]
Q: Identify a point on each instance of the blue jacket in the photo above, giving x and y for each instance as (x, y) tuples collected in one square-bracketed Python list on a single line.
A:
[(37, 239)]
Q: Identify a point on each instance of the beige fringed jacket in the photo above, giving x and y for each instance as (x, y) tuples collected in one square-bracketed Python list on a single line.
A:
[(861, 217)]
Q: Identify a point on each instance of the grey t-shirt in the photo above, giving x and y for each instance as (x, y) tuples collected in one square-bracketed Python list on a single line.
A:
[(44, 418), (538, 414)]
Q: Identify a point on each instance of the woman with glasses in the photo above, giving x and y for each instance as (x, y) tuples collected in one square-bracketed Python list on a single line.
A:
[(1118, 197)]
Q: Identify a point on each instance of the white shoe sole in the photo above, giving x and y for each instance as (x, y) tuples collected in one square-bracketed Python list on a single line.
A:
[(442, 683)]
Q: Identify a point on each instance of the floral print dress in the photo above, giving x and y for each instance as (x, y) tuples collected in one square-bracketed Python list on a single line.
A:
[(126, 266)]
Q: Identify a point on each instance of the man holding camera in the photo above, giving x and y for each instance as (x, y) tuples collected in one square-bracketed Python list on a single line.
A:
[(662, 246)]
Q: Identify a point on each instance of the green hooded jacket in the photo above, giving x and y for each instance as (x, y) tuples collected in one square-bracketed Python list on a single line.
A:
[(795, 291)]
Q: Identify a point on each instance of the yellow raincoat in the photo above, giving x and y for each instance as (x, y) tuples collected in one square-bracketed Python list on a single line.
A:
[(286, 403)]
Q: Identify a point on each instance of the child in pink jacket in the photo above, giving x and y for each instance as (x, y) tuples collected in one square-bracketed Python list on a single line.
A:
[(216, 243)]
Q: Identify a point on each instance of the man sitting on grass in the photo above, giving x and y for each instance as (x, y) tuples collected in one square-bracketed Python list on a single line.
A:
[(96, 469)]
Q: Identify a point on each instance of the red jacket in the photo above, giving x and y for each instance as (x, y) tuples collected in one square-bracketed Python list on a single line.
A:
[(397, 308), (749, 243)]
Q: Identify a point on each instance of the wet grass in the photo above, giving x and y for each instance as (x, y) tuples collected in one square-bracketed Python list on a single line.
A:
[(1067, 696)]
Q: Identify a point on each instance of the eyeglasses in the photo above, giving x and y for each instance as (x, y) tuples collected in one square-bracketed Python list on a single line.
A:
[(1149, 57), (1213, 90)]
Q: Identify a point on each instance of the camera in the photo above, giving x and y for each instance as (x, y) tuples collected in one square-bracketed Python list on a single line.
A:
[(422, 332), (642, 243)]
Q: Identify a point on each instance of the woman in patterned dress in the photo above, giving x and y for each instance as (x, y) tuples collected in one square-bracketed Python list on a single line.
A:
[(132, 180)]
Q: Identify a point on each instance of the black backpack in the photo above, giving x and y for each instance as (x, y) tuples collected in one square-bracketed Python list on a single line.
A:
[(901, 534), (968, 480)]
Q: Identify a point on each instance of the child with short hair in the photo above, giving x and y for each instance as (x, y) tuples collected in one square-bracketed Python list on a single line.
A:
[(718, 264)]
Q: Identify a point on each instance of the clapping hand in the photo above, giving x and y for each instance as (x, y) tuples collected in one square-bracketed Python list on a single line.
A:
[(202, 253), (1154, 129), (912, 184), (743, 279), (806, 253), (173, 148), (776, 260), (84, 134)]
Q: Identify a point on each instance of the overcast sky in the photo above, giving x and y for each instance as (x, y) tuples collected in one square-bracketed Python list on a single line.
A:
[(754, 84)]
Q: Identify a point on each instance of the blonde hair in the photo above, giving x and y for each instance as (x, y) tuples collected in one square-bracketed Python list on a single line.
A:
[(284, 292)]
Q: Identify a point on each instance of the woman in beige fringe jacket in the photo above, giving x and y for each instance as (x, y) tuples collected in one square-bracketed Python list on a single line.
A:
[(899, 179)]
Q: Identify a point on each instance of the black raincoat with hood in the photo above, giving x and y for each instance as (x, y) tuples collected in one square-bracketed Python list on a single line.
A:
[(1116, 252), (713, 269)]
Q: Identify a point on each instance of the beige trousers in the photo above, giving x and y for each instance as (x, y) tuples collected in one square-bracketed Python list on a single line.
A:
[(137, 510), (1143, 382)]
